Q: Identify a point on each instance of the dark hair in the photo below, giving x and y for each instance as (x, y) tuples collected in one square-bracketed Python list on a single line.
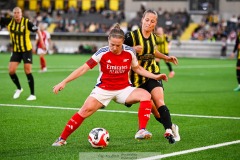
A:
[(116, 32), (150, 11)]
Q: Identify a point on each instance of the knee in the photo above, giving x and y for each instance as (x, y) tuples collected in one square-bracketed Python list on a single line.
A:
[(27, 71), (11, 71), (145, 96), (83, 112)]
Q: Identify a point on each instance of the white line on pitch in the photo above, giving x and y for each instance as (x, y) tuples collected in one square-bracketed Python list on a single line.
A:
[(117, 111), (190, 150)]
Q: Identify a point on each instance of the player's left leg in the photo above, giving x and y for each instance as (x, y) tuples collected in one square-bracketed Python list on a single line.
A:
[(43, 63), (28, 72), (165, 117), (144, 98)]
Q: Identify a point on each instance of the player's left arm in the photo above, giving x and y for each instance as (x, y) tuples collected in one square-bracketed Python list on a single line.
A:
[(34, 28), (143, 72), (41, 39), (172, 59)]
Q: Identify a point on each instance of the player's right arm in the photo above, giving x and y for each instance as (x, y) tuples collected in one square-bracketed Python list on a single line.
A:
[(74, 75)]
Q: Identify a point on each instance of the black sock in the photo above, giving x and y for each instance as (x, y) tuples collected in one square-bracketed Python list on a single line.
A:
[(158, 119), (238, 76), (15, 80), (169, 66), (165, 117), (30, 82)]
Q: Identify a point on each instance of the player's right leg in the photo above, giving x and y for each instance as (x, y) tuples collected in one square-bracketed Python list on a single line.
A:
[(13, 65), (90, 106)]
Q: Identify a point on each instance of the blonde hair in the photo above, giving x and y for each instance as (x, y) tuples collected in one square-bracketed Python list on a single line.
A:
[(17, 8), (150, 11), (116, 32)]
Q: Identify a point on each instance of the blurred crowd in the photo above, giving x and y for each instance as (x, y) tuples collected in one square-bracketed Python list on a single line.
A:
[(214, 28), (75, 20)]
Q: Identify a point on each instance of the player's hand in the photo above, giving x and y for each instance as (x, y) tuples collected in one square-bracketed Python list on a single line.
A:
[(138, 48), (162, 77), (232, 55), (34, 51), (58, 87), (43, 46), (172, 59)]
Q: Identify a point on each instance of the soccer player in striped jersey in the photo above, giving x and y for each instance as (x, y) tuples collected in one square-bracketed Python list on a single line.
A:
[(20, 28), (143, 40), (237, 49), (115, 62), (163, 43)]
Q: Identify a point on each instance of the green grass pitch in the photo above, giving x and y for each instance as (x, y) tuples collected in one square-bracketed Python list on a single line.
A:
[(200, 98)]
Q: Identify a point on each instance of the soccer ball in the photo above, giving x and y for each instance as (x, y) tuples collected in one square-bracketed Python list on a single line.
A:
[(98, 138)]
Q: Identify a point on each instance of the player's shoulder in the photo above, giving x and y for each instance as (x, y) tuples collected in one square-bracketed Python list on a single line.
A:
[(129, 49), (102, 50)]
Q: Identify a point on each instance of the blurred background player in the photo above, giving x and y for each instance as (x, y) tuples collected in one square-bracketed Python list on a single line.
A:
[(39, 48), (237, 49), (163, 42), (20, 28)]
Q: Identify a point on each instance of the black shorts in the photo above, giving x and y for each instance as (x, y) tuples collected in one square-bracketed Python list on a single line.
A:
[(19, 56), (151, 84)]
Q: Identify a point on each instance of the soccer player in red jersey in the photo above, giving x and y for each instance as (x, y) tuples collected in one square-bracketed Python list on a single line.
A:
[(40, 50), (115, 62)]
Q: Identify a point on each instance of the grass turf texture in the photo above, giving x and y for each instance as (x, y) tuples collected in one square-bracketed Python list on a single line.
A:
[(200, 87)]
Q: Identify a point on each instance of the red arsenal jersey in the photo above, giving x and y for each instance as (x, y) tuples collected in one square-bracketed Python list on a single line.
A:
[(114, 69)]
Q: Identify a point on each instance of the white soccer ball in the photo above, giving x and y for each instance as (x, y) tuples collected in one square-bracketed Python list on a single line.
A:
[(98, 138)]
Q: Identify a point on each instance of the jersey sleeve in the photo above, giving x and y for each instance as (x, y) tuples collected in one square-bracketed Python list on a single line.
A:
[(32, 27), (128, 39), (4, 22)]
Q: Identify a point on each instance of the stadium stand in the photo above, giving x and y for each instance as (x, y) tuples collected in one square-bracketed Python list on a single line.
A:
[(97, 17)]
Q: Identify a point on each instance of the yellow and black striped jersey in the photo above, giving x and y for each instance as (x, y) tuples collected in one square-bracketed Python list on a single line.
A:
[(146, 58), (162, 43), (19, 33)]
